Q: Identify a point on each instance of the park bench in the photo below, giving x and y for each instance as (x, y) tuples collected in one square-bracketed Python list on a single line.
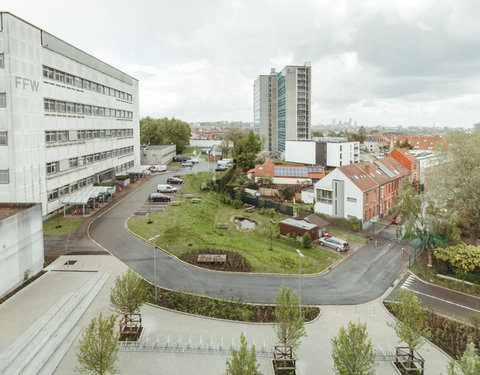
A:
[(222, 225), (195, 200), (175, 203)]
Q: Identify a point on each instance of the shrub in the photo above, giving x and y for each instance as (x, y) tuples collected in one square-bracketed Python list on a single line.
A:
[(353, 224), (306, 240)]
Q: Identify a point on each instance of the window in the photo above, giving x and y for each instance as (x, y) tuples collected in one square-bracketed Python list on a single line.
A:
[(60, 106), (90, 180), (366, 199), (88, 134), (95, 111), (101, 111), (50, 136), (73, 163), (87, 109), (78, 82), (94, 86), (59, 76), (3, 100), (3, 138), (69, 79), (324, 196), (62, 136), (49, 105), (381, 191), (100, 89), (74, 187), (63, 191), (52, 195), (86, 84), (81, 135), (70, 107), (89, 159), (96, 134), (52, 167), (48, 72), (2, 61), (79, 108), (107, 112), (81, 161), (82, 183), (4, 179)]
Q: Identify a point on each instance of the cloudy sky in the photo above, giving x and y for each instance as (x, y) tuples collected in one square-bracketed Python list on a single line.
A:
[(409, 62)]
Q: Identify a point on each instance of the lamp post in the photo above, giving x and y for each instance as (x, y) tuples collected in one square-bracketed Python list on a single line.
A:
[(154, 264), (300, 256)]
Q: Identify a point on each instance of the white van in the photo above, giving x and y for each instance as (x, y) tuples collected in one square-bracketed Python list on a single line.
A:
[(166, 189), (159, 168)]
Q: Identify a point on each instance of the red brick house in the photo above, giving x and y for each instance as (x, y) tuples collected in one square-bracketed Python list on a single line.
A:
[(287, 174), (409, 161)]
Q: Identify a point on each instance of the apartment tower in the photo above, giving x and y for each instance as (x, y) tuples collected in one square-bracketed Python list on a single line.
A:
[(292, 112)]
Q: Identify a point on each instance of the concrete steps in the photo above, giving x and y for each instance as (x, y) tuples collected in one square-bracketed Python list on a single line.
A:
[(43, 345)]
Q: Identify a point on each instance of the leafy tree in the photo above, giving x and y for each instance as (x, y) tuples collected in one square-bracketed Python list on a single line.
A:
[(97, 349), (456, 178), (360, 136), (306, 241), (243, 362), (247, 153), (265, 181), (411, 323), (165, 131), (469, 363), (128, 294), (287, 192), (406, 144), (352, 351), (289, 324), (423, 218)]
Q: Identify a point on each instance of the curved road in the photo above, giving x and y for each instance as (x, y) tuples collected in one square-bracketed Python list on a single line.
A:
[(364, 276)]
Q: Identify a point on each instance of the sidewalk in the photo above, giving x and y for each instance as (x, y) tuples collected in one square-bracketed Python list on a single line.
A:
[(314, 354)]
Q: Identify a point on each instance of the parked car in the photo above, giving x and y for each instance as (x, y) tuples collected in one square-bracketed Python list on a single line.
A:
[(159, 197), (179, 159), (334, 242), (194, 160), (166, 189), (187, 163), (221, 168), (397, 220), (175, 180)]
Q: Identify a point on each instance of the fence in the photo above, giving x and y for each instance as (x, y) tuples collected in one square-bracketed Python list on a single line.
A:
[(263, 203), (412, 259)]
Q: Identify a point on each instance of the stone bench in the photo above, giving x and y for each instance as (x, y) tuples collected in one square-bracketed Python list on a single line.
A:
[(175, 203), (222, 225), (195, 200)]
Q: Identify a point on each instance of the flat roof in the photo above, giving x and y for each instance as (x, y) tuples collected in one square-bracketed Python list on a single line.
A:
[(10, 209), (299, 223)]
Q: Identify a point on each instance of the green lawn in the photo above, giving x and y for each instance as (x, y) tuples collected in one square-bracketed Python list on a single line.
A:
[(193, 227), (194, 182), (68, 225), (347, 236)]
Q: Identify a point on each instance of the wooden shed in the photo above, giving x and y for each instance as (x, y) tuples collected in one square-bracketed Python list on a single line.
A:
[(298, 227)]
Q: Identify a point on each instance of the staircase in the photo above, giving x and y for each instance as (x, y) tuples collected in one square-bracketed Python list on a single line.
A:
[(42, 346)]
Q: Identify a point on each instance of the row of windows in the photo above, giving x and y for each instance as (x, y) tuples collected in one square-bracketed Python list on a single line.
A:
[(82, 135), (64, 190), (60, 166), (81, 83), (51, 105)]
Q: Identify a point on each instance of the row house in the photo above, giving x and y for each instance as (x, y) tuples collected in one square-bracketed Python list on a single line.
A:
[(364, 191), (409, 161), (287, 174), (417, 142)]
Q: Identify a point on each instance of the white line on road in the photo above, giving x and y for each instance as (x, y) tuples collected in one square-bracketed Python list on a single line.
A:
[(440, 299)]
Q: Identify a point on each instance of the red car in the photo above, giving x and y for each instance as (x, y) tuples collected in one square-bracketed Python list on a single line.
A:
[(326, 234), (397, 220)]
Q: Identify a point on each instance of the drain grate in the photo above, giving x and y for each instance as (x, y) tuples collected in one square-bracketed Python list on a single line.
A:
[(70, 262)]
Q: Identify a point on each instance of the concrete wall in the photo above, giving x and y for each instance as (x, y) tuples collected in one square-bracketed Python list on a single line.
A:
[(21, 246), (157, 156), (344, 153), (300, 152)]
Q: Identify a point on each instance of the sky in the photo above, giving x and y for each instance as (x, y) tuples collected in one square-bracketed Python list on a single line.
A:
[(378, 62)]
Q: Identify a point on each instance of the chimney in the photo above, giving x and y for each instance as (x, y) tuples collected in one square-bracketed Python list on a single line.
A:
[(367, 168)]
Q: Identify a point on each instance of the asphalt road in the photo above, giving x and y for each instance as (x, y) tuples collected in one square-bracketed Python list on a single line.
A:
[(364, 276), (443, 301)]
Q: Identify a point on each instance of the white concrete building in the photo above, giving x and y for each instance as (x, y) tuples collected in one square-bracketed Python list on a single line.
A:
[(67, 119), (21, 244), (330, 152), (157, 154), (265, 110)]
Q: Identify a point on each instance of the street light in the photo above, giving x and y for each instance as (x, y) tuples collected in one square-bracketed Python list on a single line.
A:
[(300, 256), (154, 263)]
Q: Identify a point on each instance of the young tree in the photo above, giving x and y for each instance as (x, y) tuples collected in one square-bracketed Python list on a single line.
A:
[(352, 351), (97, 349), (289, 325), (306, 241), (287, 192), (469, 363), (243, 362), (456, 177), (128, 294), (249, 148), (411, 323)]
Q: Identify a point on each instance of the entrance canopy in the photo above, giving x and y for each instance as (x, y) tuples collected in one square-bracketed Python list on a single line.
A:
[(82, 197)]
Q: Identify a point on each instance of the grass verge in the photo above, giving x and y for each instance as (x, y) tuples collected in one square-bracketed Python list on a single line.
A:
[(193, 226), (222, 309), (68, 225), (347, 236)]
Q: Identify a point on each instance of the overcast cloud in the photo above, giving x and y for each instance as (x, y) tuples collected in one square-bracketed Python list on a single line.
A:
[(409, 62)]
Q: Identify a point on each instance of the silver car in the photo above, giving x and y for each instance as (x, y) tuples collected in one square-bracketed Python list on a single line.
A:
[(334, 242)]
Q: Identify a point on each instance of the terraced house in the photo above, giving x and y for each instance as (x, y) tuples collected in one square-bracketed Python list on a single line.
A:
[(364, 191), (67, 119)]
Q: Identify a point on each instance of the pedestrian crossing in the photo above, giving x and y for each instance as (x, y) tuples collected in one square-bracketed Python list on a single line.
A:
[(406, 285)]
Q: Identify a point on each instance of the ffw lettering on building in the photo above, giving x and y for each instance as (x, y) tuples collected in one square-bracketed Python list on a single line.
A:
[(26, 83)]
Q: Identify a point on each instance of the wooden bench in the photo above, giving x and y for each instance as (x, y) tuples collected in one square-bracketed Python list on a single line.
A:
[(212, 258), (195, 200), (249, 208), (222, 225), (175, 203)]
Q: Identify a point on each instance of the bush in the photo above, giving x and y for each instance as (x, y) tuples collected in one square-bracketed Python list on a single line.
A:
[(287, 192), (306, 240), (353, 224), (122, 177)]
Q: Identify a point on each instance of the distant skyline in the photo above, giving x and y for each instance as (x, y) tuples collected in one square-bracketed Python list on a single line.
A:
[(379, 62)]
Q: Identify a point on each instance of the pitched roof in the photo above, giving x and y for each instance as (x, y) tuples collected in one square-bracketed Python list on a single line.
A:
[(269, 169), (313, 219), (418, 142), (368, 175)]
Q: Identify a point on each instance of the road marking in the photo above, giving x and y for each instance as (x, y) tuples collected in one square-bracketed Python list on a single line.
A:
[(440, 299)]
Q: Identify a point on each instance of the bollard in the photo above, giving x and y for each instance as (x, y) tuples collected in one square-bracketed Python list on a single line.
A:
[(376, 243)]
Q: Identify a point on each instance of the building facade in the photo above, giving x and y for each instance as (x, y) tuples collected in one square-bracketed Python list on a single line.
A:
[(265, 110), (328, 151), (287, 175), (409, 161), (157, 154), (67, 119), (364, 191), (21, 244), (283, 99)]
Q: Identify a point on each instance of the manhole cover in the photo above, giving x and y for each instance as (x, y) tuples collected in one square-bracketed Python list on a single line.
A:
[(70, 262)]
